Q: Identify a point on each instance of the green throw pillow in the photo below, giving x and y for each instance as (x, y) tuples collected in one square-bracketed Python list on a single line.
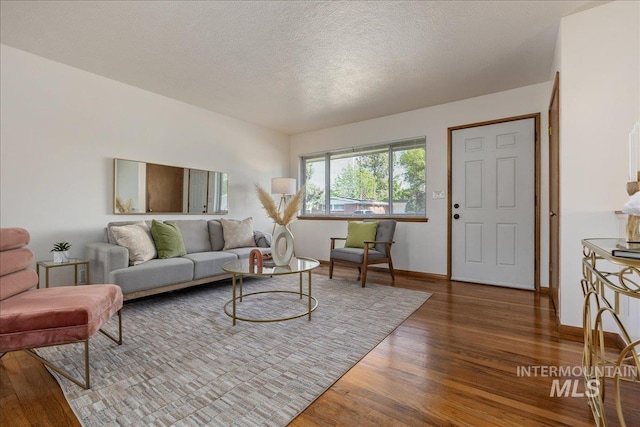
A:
[(168, 240), (358, 232)]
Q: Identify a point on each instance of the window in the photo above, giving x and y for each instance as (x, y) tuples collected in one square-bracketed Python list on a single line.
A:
[(386, 179)]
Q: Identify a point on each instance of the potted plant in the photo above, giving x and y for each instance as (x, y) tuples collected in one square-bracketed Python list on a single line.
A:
[(61, 252)]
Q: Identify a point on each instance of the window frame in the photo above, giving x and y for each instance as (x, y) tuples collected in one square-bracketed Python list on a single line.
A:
[(390, 148)]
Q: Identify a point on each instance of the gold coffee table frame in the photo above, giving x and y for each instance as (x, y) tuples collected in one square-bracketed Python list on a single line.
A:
[(240, 268)]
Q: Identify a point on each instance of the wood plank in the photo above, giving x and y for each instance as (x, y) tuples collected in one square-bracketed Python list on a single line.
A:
[(452, 362), (31, 396)]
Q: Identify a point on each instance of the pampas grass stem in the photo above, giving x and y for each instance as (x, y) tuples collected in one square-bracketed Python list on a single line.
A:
[(269, 205)]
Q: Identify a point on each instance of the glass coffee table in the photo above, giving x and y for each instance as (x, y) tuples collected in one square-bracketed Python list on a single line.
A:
[(240, 268)]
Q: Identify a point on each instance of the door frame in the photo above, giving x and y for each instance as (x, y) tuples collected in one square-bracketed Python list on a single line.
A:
[(554, 180), (536, 117)]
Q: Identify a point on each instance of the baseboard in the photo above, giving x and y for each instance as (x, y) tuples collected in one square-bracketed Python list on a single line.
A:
[(404, 273), (574, 333), (620, 343), (421, 275)]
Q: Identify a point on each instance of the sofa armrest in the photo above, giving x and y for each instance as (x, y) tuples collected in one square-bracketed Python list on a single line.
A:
[(104, 258), (262, 239)]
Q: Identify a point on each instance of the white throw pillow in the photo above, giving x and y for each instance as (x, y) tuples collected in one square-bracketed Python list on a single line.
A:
[(137, 239), (237, 234)]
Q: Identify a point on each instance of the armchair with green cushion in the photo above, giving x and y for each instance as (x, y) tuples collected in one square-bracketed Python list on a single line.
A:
[(367, 242)]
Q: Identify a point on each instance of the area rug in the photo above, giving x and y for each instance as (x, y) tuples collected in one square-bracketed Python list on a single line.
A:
[(183, 363)]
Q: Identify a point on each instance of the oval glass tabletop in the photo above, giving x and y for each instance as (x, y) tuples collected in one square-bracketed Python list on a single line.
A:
[(297, 265)]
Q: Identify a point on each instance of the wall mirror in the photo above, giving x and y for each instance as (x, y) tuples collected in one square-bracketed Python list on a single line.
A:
[(141, 187)]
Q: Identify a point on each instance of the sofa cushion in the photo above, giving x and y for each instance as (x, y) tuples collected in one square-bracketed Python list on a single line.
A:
[(209, 263), (137, 239), (195, 234), (243, 253), (168, 240), (238, 234), (216, 235), (153, 274), (354, 254)]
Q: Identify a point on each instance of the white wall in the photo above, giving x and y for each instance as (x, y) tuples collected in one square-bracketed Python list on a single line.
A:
[(422, 246), (62, 127), (599, 103)]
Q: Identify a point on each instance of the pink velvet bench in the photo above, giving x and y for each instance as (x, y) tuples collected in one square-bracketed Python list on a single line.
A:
[(31, 318)]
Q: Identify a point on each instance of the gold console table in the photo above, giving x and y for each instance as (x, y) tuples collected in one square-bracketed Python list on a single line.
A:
[(612, 381)]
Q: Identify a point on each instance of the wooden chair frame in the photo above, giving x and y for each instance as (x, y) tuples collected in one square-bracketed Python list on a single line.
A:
[(366, 261)]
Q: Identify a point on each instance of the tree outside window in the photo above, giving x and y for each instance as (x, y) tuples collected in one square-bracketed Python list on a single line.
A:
[(356, 182)]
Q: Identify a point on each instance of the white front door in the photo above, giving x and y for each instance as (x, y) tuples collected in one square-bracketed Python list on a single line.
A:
[(493, 204)]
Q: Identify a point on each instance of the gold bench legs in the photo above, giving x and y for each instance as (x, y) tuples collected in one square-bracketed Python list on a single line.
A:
[(87, 379)]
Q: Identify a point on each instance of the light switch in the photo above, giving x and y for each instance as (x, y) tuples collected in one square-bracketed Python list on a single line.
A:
[(438, 194)]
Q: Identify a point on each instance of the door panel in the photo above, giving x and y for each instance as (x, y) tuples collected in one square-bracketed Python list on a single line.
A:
[(493, 184), (506, 182), (506, 241), (473, 184), (473, 243)]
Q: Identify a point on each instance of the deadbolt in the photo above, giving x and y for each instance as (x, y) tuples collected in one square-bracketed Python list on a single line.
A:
[(456, 206)]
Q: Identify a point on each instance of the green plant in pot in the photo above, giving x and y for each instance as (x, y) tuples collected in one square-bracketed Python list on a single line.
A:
[(61, 252)]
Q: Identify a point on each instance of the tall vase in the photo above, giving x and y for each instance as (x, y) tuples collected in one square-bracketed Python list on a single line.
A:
[(282, 245)]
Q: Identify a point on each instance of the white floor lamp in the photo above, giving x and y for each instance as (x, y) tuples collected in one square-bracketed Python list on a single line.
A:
[(286, 187)]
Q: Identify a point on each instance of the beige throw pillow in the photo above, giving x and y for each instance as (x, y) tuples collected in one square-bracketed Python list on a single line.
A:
[(137, 239), (237, 234)]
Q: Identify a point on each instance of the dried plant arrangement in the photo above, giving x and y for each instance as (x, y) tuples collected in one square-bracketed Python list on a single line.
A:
[(290, 210), (124, 207)]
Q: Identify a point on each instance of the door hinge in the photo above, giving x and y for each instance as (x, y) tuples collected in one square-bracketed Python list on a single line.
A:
[(549, 130)]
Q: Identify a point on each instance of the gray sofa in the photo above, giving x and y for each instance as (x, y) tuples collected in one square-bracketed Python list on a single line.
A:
[(204, 243)]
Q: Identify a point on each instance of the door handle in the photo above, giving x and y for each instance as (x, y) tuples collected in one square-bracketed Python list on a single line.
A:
[(456, 216), (552, 213)]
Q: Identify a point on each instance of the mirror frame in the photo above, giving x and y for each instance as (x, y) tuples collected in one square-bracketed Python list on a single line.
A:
[(188, 186)]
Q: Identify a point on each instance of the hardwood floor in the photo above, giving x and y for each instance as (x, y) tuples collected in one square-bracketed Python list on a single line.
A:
[(452, 362)]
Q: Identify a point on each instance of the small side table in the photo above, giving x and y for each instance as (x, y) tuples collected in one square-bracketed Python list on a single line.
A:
[(75, 262)]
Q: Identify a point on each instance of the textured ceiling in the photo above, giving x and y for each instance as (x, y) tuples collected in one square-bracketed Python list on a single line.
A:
[(298, 66)]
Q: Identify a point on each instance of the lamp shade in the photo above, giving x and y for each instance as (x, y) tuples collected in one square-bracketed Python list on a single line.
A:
[(283, 186)]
